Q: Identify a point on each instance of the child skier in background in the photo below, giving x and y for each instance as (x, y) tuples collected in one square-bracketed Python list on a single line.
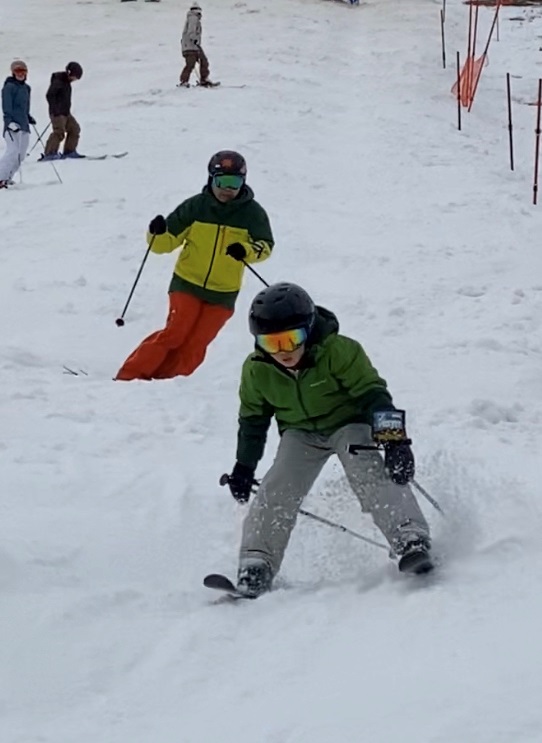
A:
[(192, 50), (65, 125)]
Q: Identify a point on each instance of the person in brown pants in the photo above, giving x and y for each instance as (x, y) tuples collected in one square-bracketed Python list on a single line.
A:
[(59, 97), (192, 51)]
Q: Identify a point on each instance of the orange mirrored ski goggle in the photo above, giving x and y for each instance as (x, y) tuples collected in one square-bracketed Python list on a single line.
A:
[(286, 340)]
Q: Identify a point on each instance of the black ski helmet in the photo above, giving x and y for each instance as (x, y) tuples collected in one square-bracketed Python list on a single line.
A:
[(74, 69), (280, 307), (227, 162)]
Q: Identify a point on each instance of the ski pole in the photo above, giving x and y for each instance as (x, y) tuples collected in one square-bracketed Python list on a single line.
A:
[(41, 142), (428, 497), (247, 265), (120, 320), (355, 448), (44, 132), (342, 528), (225, 480)]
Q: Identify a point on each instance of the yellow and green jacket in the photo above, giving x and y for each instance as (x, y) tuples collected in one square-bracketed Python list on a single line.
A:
[(204, 227)]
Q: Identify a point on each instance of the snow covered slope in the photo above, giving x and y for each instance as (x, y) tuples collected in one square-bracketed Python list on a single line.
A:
[(425, 245)]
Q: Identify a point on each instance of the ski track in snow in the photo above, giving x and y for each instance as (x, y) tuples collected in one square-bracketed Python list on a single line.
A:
[(422, 241)]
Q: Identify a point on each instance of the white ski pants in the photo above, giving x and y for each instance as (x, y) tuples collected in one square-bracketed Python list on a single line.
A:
[(15, 153), (299, 460)]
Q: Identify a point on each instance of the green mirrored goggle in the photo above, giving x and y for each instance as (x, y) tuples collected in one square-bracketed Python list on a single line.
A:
[(227, 180)]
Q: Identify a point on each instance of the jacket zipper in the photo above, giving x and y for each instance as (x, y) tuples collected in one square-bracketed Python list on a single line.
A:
[(212, 257), (295, 380), (300, 398)]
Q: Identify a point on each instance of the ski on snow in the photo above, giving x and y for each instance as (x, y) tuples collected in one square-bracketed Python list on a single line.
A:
[(221, 583), (74, 372), (208, 87), (116, 155)]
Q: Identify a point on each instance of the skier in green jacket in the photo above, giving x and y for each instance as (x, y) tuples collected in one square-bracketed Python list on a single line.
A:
[(325, 395)]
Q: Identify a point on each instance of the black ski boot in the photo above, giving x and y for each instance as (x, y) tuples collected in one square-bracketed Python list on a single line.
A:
[(415, 557), (254, 578), (208, 84)]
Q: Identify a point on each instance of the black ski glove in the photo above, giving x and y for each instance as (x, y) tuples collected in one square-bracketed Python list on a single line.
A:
[(236, 251), (31, 120), (399, 461), (240, 482), (158, 225)]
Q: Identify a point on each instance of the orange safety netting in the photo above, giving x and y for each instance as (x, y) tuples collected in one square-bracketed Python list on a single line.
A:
[(468, 80)]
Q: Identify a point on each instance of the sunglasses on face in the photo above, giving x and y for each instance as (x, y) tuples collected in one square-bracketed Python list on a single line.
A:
[(226, 180), (20, 71), (287, 340)]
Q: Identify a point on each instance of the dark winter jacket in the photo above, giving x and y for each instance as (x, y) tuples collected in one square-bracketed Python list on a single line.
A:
[(59, 95), (335, 385), (205, 227), (16, 103)]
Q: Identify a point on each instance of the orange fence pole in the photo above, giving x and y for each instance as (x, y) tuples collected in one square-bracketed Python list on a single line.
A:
[(484, 55), (473, 55)]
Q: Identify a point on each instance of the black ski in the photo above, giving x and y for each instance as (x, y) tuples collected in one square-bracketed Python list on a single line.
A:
[(214, 85), (221, 583), (74, 372), (116, 155)]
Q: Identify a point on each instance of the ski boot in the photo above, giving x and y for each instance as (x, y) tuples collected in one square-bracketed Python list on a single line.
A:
[(208, 84), (73, 155), (254, 578), (43, 158), (183, 85), (415, 557)]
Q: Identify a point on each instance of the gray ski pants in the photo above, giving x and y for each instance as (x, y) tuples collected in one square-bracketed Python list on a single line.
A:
[(300, 458)]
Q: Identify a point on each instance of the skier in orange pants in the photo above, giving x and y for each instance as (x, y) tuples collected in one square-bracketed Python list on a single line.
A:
[(220, 230)]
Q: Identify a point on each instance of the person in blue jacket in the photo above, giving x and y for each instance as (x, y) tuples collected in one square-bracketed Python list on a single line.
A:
[(17, 120)]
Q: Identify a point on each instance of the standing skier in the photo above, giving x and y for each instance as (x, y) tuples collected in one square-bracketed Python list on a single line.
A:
[(325, 396), (220, 230), (17, 120), (192, 50), (59, 98)]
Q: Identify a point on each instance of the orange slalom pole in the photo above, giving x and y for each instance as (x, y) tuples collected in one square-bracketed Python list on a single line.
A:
[(484, 55), (470, 91), (469, 51)]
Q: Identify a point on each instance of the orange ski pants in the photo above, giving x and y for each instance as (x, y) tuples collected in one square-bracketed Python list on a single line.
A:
[(180, 347)]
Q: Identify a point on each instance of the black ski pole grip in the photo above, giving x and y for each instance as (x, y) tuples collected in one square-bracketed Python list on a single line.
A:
[(356, 448)]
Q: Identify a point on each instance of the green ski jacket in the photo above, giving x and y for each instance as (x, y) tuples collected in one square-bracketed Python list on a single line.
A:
[(336, 384)]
